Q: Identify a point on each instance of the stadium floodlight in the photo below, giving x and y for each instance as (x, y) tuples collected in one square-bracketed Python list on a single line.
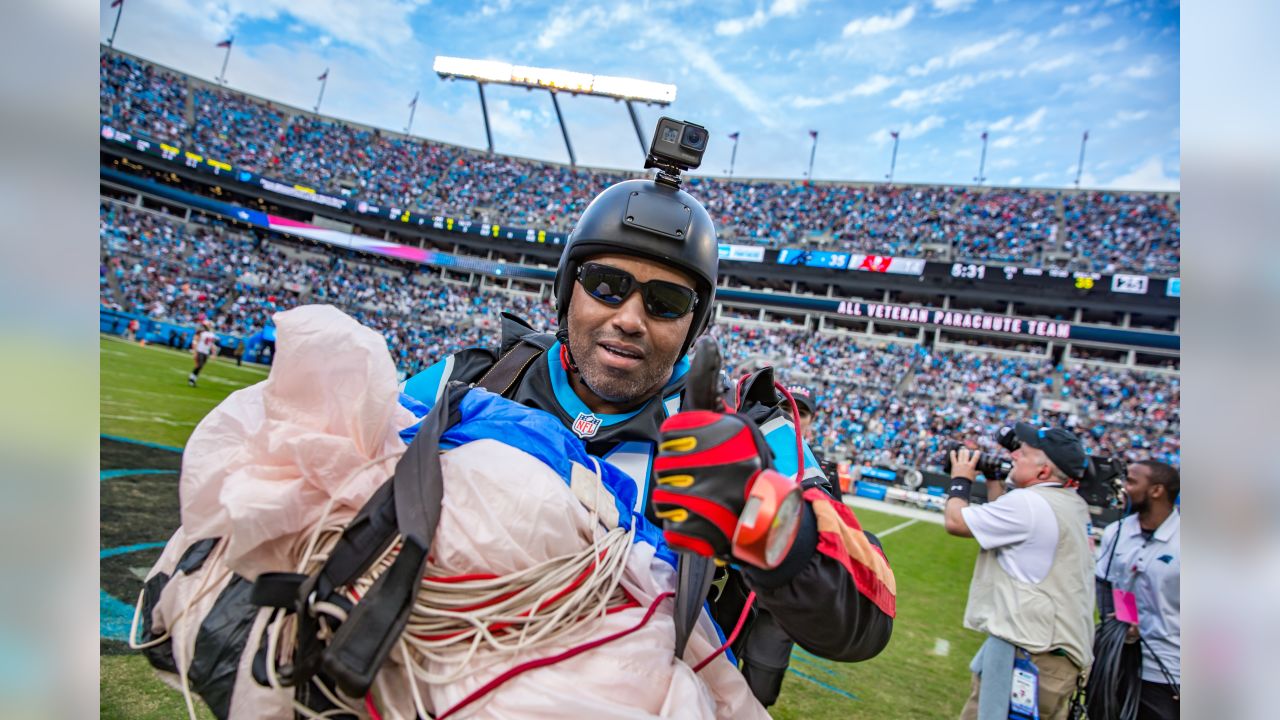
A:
[(626, 89), (619, 88)]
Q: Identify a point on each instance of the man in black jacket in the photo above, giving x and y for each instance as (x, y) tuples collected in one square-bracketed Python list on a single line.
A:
[(634, 288)]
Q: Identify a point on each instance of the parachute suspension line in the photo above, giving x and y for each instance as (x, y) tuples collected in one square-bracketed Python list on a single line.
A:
[(333, 496), (454, 618)]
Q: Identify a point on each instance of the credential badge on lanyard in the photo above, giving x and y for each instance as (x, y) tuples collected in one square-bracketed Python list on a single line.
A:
[(1023, 694)]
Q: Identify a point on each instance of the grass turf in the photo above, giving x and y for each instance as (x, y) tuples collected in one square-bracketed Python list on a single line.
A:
[(144, 396)]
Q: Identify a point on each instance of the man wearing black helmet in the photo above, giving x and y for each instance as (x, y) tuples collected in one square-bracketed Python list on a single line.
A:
[(635, 287)]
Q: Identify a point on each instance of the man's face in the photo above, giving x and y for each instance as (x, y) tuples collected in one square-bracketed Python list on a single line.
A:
[(1029, 466), (624, 354), (1139, 488), (805, 423)]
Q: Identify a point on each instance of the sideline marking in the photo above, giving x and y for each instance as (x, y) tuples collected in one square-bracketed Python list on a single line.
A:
[(821, 684), (115, 617), (126, 549), (110, 474), (896, 528), (814, 664), (143, 443)]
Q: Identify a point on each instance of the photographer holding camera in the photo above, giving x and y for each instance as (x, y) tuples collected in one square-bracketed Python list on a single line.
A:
[(1032, 589)]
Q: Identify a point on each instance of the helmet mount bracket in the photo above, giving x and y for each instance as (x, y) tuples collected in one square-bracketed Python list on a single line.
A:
[(661, 214), (668, 172)]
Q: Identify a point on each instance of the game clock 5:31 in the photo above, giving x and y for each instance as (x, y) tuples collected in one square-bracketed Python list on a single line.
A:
[(970, 271)]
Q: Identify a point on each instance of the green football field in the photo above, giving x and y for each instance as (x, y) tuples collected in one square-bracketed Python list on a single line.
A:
[(148, 411)]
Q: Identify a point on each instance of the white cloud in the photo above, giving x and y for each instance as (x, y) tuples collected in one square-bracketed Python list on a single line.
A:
[(1097, 22), (871, 86), (1031, 123), (496, 8), (1149, 175), (1143, 70), (699, 58), (1049, 65), (961, 55), (739, 25), (1005, 141), (508, 121), (945, 90), (1098, 80), (946, 7), (1127, 116), (779, 8), (1000, 125), (876, 24), (910, 130), (1015, 180), (377, 26), (1093, 24), (565, 25), (1120, 45), (1072, 9)]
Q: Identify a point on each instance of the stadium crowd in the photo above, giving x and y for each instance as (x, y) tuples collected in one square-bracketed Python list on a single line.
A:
[(897, 404), (1103, 232)]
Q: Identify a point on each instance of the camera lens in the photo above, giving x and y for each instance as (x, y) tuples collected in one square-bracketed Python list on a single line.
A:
[(694, 139)]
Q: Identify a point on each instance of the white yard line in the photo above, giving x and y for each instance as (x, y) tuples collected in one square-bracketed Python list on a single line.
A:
[(904, 511), (896, 528)]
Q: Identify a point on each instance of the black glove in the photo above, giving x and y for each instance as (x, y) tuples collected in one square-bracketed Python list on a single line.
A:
[(706, 463)]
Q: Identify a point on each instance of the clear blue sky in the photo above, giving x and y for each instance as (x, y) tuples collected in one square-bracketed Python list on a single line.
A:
[(1035, 75)]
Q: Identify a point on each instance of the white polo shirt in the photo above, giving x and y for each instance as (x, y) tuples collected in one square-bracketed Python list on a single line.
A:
[(1151, 570), (1022, 530)]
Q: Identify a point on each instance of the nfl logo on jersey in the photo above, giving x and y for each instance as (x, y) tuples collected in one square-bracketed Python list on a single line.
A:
[(586, 425)]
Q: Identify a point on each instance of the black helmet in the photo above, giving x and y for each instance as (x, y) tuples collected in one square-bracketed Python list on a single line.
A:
[(651, 221)]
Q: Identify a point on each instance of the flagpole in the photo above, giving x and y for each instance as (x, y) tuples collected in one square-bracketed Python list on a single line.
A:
[(1080, 165), (222, 76), (733, 157), (982, 163), (111, 41), (413, 107), (324, 80), (893, 161), (812, 152)]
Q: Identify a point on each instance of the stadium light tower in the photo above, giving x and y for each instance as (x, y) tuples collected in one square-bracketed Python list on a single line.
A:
[(982, 164), (556, 81)]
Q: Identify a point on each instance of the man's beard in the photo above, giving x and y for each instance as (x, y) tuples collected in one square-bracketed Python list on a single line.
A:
[(614, 386), (1139, 506)]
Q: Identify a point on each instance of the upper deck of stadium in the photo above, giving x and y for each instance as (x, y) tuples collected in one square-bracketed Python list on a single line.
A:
[(1087, 230)]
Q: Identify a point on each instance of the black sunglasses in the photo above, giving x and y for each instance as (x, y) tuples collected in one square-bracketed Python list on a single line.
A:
[(612, 286)]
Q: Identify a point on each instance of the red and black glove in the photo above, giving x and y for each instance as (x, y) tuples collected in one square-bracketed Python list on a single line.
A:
[(706, 463)]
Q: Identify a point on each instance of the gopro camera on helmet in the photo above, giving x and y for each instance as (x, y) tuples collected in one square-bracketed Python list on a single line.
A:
[(677, 145)]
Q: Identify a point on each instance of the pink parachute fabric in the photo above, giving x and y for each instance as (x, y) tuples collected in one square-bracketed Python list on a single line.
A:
[(278, 468)]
